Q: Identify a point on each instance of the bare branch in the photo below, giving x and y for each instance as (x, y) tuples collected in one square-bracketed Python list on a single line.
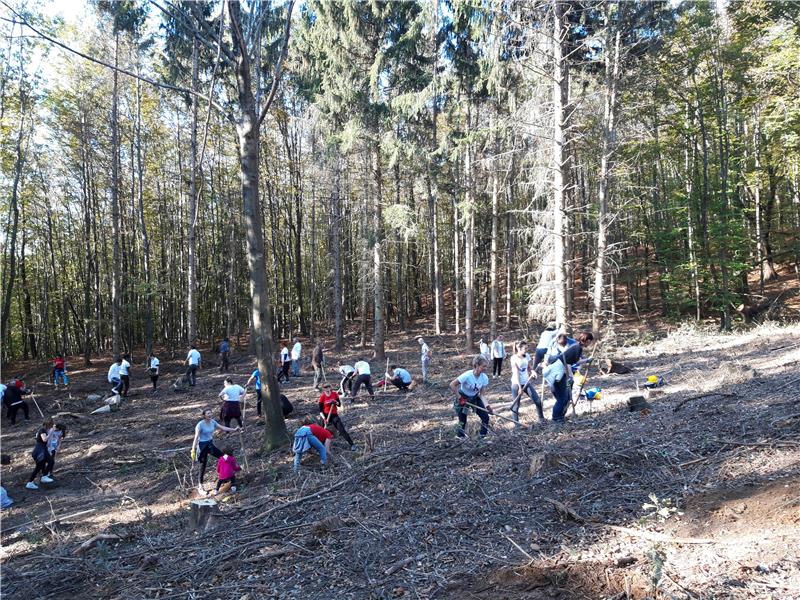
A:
[(153, 82)]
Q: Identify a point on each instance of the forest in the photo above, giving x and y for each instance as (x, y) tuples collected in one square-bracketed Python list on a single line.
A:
[(370, 177)]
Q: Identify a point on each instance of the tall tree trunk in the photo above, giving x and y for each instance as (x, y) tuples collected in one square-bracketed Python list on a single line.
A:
[(247, 129), (609, 134), (26, 296), (456, 274), (336, 261), (13, 209), (469, 246), (493, 258), (377, 260), (115, 217), (191, 259), (87, 241), (559, 159), (148, 315)]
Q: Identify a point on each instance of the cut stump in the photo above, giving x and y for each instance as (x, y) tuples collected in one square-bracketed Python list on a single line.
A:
[(203, 515)]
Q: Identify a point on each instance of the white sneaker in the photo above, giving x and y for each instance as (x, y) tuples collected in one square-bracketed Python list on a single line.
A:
[(47, 479), (31, 486), (233, 488)]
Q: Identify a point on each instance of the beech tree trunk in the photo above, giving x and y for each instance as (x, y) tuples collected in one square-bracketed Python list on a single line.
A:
[(247, 129), (191, 270)]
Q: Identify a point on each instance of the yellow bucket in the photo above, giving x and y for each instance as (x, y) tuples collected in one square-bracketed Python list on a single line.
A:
[(652, 379), (579, 379)]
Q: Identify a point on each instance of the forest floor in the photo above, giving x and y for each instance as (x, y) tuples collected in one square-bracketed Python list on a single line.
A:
[(550, 512)]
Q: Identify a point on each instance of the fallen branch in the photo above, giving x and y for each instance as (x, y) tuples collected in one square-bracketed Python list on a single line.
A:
[(700, 397), (400, 564), (94, 540)]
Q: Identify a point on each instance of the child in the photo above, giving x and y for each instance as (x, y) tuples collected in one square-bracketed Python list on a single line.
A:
[(226, 472), (329, 404), (59, 370), (54, 438), (203, 444), (41, 456), (154, 362), (305, 439)]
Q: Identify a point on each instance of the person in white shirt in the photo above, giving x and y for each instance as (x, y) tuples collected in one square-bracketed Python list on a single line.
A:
[(468, 387), (296, 350), (522, 377), (486, 351), (154, 362), (232, 396), (498, 354), (193, 361), (286, 364), (113, 375), (399, 377), (546, 339), (348, 374), (363, 377), (425, 358), (124, 374)]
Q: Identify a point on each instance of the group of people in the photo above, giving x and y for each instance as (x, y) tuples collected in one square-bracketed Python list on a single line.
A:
[(557, 354), (560, 357)]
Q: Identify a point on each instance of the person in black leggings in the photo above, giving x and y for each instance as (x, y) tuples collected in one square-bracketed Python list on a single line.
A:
[(41, 456), (204, 441)]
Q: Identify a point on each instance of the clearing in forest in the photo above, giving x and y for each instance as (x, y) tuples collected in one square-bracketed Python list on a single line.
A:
[(695, 496)]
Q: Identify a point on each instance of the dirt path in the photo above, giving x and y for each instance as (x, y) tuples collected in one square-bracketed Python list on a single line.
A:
[(556, 512)]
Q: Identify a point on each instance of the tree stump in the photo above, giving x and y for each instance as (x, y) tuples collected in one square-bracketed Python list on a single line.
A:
[(609, 366), (204, 511), (636, 403)]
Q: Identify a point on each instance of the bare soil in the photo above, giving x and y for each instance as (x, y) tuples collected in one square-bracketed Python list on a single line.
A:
[(550, 512)]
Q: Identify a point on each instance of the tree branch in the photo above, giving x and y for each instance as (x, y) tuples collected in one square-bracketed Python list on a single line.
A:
[(279, 68), (177, 14), (152, 82)]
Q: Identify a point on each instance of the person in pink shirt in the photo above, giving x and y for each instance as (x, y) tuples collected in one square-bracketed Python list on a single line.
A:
[(226, 471)]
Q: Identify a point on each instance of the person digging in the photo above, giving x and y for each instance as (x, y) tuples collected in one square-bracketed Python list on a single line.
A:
[(468, 388), (329, 404)]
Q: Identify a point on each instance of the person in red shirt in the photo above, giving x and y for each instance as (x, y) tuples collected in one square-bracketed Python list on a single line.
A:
[(60, 370), (323, 435), (329, 404)]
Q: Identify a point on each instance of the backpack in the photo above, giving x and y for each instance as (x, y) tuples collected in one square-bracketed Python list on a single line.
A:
[(301, 443)]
